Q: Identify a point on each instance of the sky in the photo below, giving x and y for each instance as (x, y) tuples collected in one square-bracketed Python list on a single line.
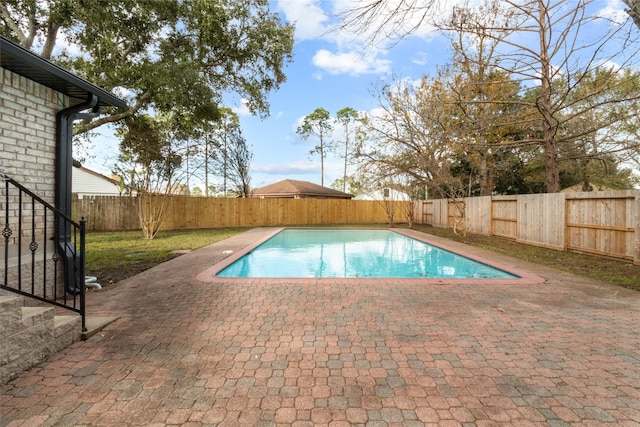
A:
[(331, 69)]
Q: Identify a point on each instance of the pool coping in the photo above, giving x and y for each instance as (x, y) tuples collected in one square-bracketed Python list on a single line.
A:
[(524, 277)]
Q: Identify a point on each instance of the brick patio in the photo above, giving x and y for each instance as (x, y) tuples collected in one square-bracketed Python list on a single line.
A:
[(184, 352)]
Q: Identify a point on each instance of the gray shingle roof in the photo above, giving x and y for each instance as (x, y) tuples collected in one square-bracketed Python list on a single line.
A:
[(301, 189)]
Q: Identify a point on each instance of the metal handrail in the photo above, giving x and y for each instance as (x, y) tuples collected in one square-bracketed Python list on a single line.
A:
[(38, 262)]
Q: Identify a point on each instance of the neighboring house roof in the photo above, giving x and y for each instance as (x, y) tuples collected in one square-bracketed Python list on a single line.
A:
[(19, 60), (383, 194), (290, 188), (85, 182)]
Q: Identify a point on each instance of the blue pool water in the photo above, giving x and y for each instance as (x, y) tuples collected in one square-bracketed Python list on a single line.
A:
[(296, 253)]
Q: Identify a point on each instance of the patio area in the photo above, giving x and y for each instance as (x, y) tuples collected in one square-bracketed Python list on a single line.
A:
[(185, 352)]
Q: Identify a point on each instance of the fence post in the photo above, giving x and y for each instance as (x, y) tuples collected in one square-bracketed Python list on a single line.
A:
[(490, 216), (636, 235), (566, 224)]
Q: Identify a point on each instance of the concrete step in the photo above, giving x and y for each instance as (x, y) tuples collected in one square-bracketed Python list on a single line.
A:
[(66, 330), (32, 316), (95, 324), (10, 312), (31, 334)]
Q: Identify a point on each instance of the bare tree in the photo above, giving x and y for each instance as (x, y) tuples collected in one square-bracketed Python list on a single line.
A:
[(227, 154), (552, 48), (549, 47), (412, 138), (239, 157), (382, 21), (483, 96)]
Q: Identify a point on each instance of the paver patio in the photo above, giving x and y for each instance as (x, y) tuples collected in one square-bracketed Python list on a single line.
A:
[(184, 352)]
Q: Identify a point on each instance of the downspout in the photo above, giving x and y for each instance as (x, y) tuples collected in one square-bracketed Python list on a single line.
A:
[(64, 163)]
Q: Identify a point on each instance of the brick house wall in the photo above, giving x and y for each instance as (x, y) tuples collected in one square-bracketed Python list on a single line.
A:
[(27, 154), (27, 137), (27, 131)]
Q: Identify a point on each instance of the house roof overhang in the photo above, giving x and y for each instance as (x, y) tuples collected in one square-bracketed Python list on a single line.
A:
[(21, 61)]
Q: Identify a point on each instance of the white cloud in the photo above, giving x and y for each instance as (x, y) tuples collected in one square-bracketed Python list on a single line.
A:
[(420, 58), (611, 65), (376, 113), (320, 20), (297, 124), (243, 109), (350, 63), (123, 92), (614, 11), (307, 15), (299, 167)]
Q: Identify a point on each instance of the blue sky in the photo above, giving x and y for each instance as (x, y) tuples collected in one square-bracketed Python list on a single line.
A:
[(330, 69)]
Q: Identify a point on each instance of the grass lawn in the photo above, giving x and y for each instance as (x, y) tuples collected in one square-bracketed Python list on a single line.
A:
[(608, 270), (112, 257)]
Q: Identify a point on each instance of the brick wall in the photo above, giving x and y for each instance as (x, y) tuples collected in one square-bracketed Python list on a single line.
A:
[(27, 132), (27, 143)]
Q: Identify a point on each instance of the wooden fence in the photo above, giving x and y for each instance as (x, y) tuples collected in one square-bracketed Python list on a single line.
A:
[(603, 223), (109, 213)]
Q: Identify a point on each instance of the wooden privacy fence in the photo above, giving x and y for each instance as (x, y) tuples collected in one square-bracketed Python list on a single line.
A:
[(109, 213), (603, 223)]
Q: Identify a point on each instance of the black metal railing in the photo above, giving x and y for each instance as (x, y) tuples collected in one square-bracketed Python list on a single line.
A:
[(44, 250)]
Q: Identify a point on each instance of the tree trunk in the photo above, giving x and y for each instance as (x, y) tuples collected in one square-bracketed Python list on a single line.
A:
[(483, 169), (346, 153), (549, 128), (545, 106), (321, 164), (551, 172)]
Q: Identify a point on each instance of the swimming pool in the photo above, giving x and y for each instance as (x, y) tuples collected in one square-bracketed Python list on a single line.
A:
[(326, 253), (233, 249)]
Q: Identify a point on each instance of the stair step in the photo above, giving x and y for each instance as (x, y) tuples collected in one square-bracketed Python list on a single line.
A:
[(63, 323), (10, 312), (66, 330), (8, 301), (33, 334), (28, 343), (33, 315)]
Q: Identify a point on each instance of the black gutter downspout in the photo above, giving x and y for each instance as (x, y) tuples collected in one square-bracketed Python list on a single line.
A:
[(64, 164)]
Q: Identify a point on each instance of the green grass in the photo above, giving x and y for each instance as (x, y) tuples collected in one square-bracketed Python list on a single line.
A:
[(117, 255), (608, 270)]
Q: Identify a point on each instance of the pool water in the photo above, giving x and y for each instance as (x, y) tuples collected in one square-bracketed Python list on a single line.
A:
[(313, 253)]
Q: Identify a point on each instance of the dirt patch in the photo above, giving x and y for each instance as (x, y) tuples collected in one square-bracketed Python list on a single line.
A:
[(108, 276)]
